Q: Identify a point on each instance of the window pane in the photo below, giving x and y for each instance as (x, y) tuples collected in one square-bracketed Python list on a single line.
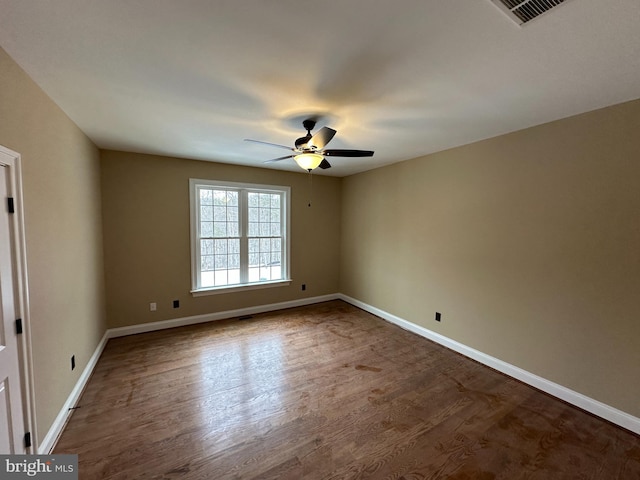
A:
[(207, 279), (206, 263), (219, 197), (220, 278), (206, 247), (234, 276), (206, 229), (276, 272), (220, 229), (254, 274), (220, 262), (232, 214), (206, 213), (264, 274), (219, 214), (221, 247), (205, 197)]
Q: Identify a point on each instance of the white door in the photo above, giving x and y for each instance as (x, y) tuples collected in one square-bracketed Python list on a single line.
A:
[(11, 416)]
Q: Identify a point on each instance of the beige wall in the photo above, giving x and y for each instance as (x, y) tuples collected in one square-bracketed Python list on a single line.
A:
[(146, 236), (60, 168), (528, 244)]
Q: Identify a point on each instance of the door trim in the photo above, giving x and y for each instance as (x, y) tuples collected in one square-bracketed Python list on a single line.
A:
[(13, 161)]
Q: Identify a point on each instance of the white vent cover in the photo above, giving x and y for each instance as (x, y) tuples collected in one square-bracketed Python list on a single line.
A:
[(523, 11)]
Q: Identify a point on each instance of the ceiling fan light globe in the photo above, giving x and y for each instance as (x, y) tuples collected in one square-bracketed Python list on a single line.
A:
[(308, 161)]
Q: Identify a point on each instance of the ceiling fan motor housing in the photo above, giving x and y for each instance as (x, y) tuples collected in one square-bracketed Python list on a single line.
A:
[(301, 142)]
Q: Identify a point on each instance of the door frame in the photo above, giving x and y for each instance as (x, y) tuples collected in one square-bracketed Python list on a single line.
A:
[(19, 258)]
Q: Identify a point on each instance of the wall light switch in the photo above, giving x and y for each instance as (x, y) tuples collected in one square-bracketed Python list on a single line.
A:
[(153, 307)]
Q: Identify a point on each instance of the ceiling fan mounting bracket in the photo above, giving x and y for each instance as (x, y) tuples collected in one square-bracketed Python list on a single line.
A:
[(309, 124)]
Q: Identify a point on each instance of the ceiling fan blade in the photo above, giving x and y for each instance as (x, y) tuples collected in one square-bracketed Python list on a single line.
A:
[(271, 144), (321, 138), (278, 159), (324, 164), (348, 153)]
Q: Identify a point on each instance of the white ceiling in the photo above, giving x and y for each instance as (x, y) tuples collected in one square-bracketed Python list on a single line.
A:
[(193, 78)]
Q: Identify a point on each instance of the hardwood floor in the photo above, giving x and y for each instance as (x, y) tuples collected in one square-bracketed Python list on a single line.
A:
[(325, 392)]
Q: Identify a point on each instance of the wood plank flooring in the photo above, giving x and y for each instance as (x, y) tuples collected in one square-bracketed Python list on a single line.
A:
[(325, 392)]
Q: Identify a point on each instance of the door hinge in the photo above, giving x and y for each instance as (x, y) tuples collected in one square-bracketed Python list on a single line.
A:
[(10, 205), (18, 326), (27, 440)]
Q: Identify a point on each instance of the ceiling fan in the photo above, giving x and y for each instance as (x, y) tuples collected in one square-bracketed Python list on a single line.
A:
[(309, 151)]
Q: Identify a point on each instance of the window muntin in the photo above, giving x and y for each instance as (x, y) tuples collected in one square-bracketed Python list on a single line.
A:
[(239, 235)]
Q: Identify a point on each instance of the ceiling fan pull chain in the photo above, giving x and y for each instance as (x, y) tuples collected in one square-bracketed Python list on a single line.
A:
[(310, 186)]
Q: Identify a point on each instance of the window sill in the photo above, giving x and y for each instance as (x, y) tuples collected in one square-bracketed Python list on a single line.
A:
[(239, 288)]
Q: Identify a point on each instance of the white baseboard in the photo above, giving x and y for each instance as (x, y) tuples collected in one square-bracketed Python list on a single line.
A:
[(595, 407), (209, 317), (49, 441)]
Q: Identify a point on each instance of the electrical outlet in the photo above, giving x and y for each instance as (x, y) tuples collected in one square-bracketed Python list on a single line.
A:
[(73, 362), (438, 316), (153, 307), (304, 287), (176, 304)]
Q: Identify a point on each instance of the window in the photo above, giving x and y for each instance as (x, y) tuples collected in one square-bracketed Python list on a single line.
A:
[(239, 236)]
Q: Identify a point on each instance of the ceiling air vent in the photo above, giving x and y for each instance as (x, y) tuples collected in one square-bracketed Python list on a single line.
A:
[(523, 11)]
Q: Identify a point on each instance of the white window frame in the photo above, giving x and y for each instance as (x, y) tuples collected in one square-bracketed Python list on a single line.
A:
[(243, 188)]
